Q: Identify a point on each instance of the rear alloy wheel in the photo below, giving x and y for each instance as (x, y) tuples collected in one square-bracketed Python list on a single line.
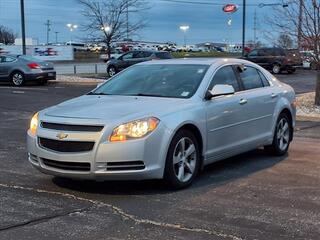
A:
[(276, 69), (282, 135), (183, 160), (17, 78), (112, 71)]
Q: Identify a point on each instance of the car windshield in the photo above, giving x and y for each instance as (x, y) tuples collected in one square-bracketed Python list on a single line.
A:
[(156, 80)]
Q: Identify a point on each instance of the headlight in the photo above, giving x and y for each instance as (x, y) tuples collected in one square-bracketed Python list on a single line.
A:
[(34, 124), (133, 130)]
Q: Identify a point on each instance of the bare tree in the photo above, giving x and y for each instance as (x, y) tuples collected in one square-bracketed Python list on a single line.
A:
[(301, 20), (7, 36), (285, 41), (107, 20)]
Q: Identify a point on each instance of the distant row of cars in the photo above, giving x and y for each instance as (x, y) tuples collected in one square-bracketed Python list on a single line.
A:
[(276, 60), (19, 69)]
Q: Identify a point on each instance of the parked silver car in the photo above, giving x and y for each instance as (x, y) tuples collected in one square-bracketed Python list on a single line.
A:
[(164, 119), (19, 69)]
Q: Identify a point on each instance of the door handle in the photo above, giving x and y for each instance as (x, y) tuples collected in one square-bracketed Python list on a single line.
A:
[(273, 95), (243, 101)]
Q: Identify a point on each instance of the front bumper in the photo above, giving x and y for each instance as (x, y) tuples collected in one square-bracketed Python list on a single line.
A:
[(48, 75), (151, 151)]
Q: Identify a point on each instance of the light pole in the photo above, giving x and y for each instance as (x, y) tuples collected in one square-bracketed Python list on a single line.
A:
[(184, 29), (244, 27), (71, 27), (48, 24), (56, 37), (23, 28)]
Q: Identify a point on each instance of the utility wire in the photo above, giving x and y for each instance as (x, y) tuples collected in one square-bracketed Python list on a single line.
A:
[(211, 3)]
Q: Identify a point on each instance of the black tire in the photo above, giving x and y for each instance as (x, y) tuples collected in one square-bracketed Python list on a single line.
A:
[(192, 161), (17, 78), (276, 68), (112, 70), (275, 148)]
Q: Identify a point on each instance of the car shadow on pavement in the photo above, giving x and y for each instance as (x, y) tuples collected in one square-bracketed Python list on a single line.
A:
[(213, 175)]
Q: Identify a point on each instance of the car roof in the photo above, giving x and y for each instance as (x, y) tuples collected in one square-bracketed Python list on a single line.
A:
[(198, 61)]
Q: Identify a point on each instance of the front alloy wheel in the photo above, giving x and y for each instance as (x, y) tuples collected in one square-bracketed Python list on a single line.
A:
[(17, 79), (282, 135), (112, 71), (183, 160)]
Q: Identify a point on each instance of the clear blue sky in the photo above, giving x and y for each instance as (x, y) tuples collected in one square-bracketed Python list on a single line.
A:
[(207, 23)]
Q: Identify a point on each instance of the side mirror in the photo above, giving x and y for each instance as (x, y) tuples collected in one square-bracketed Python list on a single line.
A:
[(220, 90)]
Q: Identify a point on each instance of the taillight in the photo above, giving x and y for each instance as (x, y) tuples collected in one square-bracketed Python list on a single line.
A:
[(34, 65)]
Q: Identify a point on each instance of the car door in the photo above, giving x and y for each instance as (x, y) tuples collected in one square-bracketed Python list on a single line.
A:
[(259, 101), (253, 56), (226, 116)]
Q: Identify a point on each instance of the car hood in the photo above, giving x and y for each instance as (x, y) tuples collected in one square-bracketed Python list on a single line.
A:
[(112, 108)]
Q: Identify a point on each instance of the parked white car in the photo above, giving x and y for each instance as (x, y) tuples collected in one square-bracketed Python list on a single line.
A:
[(308, 59), (164, 119)]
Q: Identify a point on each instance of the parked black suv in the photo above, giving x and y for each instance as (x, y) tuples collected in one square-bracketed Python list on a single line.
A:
[(133, 57), (276, 59)]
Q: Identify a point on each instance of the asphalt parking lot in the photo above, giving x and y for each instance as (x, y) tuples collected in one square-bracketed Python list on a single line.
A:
[(250, 196)]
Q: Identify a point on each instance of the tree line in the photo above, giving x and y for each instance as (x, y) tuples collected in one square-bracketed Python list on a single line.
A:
[(7, 36)]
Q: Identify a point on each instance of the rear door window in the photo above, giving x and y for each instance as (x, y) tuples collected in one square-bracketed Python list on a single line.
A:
[(146, 54), (138, 54), (128, 56), (253, 53), (250, 78), (163, 55), (225, 75), (262, 52)]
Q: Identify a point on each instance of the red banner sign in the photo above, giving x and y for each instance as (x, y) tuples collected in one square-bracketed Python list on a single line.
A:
[(230, 8)]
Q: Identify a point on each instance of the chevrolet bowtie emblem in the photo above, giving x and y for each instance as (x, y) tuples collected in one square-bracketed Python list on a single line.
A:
[(61, 136)]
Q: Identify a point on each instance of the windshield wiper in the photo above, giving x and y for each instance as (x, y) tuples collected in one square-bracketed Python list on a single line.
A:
[(93, 93), (147, 95)]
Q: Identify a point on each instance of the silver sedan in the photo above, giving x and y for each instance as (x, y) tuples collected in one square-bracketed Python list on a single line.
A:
[(164, 120)]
